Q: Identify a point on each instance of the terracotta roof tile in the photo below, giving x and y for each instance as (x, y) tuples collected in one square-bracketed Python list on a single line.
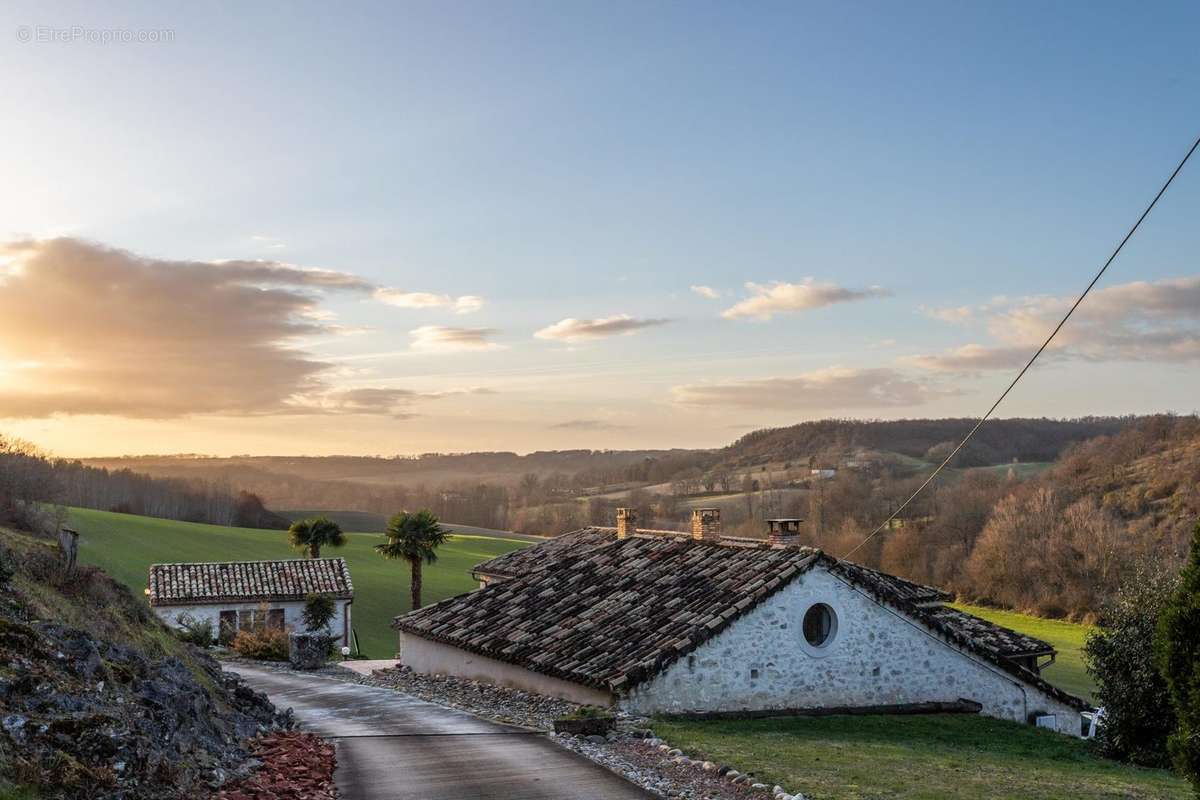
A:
[(243, 581)]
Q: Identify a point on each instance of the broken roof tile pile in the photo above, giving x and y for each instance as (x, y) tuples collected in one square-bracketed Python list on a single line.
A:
[(248, 581), (611, 615)]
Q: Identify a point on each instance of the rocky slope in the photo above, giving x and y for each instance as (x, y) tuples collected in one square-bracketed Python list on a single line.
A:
[(97, 699)]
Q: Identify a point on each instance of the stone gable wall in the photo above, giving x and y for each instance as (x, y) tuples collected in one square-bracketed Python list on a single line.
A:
[(877, 657)]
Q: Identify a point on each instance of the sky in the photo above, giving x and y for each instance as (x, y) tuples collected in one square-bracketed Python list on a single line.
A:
[(414, 227)]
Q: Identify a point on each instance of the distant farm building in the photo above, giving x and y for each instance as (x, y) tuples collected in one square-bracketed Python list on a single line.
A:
[(250, 595), (700, 623)]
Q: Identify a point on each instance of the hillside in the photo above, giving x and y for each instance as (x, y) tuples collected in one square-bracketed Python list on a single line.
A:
[(98, 698), (1000, 441), (126, 545)]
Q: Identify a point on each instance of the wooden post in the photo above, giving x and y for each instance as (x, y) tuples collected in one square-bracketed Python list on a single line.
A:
[(68, 540)]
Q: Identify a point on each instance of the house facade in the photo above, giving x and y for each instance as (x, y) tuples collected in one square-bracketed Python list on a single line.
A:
[(251, 595), (698, 623)]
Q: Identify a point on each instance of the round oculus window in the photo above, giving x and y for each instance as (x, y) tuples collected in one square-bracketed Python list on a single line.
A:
[(820, 625)]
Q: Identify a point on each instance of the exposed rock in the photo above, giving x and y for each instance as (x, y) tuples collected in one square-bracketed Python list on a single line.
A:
[(85, 717)]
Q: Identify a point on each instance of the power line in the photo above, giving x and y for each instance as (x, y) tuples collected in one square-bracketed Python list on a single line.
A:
[(1034, 358)]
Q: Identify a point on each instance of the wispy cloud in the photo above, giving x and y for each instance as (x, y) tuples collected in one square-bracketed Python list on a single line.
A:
[(573, 330), (830, 389), (707, 291), (465, 304), (588, 425), (767, 300), (1141, 321), (954, 316), (436, 338)]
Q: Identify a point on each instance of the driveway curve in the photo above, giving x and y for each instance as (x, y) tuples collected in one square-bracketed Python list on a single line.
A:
[(391, 746)]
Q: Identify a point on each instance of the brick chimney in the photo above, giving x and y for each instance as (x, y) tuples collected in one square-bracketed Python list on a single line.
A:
[(706, 524), (626, 522), (783, 532)]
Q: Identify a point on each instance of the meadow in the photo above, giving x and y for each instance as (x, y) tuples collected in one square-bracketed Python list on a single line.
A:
[(125, 545), (922, 757)]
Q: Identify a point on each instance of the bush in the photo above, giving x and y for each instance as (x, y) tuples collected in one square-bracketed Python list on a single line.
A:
[(194, 631), (1177, 647), (1120, 657), (268, 644), (318, 611)]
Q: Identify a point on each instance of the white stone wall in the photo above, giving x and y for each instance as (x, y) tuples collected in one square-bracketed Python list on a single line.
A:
[(292, 612), (434, 658), (876, 657)]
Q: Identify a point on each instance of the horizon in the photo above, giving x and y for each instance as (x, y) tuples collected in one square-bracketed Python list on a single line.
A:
[(610, 227)]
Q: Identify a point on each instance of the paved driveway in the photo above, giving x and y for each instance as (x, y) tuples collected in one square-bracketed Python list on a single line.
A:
[(391, 746)]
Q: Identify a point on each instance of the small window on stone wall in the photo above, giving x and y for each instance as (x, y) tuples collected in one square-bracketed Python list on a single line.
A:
[(820, 625)]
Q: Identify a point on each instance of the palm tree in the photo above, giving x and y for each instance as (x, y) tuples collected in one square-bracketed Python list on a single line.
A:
[(310, 535), (414, 538)]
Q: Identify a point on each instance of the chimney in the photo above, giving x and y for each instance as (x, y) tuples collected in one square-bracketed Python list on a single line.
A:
[(626, 522), (784, 532), (706, 524)]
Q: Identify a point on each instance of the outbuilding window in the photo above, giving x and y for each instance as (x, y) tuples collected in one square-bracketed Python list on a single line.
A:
[(820, 625)]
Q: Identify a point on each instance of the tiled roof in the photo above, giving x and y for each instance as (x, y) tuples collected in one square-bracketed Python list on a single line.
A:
[(1002, 641), (244, 581), (530, 559), (611, 615)]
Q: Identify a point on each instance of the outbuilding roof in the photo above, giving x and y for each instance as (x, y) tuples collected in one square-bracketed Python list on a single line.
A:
[(248, 581)]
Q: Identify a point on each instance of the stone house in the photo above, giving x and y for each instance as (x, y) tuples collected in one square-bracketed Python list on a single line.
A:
[(698, 623), (245, 595)]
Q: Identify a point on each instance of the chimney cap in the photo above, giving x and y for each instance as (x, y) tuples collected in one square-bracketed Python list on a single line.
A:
[(785, 525)]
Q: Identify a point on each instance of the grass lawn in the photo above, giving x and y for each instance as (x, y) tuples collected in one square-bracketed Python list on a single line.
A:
[(1067, 672), (125, 545), (936, 757)]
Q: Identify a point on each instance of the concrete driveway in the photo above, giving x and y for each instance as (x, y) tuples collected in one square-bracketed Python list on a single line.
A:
[(391, 746)]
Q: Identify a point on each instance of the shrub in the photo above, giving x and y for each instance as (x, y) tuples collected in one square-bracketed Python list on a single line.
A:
[(194, 631), (318, 611), (1120, 657), (1177, 647), (267, 644)]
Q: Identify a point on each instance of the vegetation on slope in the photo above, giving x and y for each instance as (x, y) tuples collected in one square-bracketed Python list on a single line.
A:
[(942, 757), (126, 545)]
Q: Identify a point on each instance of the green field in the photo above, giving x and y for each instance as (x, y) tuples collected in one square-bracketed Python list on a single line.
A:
[(943, 757), (125, 545), (1067, 672)]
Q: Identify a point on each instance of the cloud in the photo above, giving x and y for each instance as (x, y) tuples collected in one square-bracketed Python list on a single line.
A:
[(588, 425), (572, 330), (90, 329), (830, 389), (466, 304), (954, 316), (779, 297), (707, 291), (435, 338), (1140, 321), (972, 358), (112, 332)]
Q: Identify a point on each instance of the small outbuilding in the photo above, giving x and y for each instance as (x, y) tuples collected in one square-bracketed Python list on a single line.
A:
[(250, 595), (698, 623)]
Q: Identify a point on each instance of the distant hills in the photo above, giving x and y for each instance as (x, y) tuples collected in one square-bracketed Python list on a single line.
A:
[(357, 481)]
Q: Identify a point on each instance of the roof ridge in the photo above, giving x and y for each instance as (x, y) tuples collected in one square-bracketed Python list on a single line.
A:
[(246, 561)]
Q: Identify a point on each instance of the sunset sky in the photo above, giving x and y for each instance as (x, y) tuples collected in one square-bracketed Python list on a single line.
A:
[(518, 226)]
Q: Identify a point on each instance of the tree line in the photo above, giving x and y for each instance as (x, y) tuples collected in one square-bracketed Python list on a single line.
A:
[(34, 486)]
